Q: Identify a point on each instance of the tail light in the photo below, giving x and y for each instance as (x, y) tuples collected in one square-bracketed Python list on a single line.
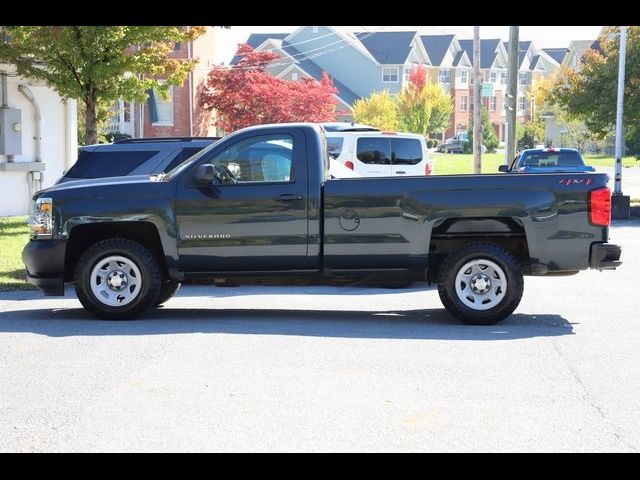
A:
[(427, 168), (600, 207), (348, 164)]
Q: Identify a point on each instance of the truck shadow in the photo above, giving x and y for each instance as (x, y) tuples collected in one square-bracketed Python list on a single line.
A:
[(425, 324)]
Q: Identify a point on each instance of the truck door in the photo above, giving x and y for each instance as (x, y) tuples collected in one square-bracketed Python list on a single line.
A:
[(253, 216)]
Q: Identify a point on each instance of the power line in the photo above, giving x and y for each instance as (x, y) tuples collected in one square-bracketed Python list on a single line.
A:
[(291, 59), (302, 55), (293, 44)]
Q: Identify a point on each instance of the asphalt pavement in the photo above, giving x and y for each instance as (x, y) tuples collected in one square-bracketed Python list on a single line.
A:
[(329, 369)]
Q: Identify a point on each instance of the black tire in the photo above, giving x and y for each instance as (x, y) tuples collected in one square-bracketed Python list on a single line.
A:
[(169, 289), (151, 278), (456, 260)]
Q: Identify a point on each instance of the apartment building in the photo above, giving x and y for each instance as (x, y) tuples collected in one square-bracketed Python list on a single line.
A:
[(362, 62)]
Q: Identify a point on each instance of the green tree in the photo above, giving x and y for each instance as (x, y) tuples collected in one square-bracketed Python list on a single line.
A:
[(530, 133), (589, 94), (441, 108), (489, 137), (378, 110), (97, 65), (412, 105)]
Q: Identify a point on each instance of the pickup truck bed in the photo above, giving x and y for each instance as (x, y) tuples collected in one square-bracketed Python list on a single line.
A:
[(476, 236)]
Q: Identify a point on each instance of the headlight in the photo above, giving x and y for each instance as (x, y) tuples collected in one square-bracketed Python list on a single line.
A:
[(41, 220)]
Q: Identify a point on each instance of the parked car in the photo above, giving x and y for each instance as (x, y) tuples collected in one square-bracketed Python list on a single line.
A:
[(548, 160), (457, 145), (380, 154), (134, 156), (127, 243), (452, 145)]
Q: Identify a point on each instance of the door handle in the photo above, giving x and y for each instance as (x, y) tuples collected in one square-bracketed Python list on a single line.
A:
[(287, 197), (400, 171)]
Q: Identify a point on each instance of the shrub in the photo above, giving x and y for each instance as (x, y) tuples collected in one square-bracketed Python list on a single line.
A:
[(489, 137)]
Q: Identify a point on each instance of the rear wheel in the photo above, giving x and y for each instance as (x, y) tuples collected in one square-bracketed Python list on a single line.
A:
[(117, 279), (481, 283)]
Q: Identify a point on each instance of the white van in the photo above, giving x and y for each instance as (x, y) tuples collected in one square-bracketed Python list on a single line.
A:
[(380, 154)]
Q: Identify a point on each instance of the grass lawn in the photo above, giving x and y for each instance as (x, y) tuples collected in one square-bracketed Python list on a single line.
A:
[(457, 163), (453, 163), (14, 234), (602, 161)]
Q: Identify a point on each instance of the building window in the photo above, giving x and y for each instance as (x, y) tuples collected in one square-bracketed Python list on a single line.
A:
[(390, 75), (522, 104), (493, 76), (407, 72), (503, 78), (492, 104), (463, 103), (444, 76), (522, 78), (176, 46), (464, 76), (165, 108), (471, 105), (294, 76)]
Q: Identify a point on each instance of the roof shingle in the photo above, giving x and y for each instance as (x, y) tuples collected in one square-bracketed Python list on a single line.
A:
[(488, 50), (388, 48), (556, 53), (436, 47)]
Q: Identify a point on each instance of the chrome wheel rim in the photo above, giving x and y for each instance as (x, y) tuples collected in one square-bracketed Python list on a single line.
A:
[(116, 281), (481, 284)]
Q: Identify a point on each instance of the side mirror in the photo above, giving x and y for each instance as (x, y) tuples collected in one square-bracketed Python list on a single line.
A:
[(503, 168), (205, 174)]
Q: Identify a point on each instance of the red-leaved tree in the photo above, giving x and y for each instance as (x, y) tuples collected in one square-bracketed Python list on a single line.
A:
[(418, 77), (246, 94)]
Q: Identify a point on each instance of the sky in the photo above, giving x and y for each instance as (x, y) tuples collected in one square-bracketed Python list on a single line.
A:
[(544, 37)]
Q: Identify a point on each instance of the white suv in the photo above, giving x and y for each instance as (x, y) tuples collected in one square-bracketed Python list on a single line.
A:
[(380, 154)]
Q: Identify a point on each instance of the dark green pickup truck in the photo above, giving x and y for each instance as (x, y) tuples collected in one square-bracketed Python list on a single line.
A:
[(260, 206)]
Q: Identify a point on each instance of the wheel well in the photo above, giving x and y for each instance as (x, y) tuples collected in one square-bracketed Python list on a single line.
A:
[(451, 234), (83, 236)]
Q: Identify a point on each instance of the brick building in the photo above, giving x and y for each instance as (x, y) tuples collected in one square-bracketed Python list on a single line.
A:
[(180, 114)]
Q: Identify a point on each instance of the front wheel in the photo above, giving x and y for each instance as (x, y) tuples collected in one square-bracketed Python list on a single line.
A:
[(481, 283), (117, 279), (168, 290)]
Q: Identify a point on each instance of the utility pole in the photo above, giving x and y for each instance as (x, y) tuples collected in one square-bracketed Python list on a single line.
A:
[(512, 96), (477, 114), (620, 202)]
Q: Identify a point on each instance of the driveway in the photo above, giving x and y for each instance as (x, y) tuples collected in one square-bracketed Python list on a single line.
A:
[(329, 369)]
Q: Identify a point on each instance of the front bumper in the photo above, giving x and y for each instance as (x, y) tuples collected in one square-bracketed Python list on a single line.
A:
[(44, 261), (605, 256)]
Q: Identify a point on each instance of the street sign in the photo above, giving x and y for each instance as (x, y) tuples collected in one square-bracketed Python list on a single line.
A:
[(486, 89)]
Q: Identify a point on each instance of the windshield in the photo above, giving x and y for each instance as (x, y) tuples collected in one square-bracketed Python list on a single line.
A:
[(550, 159)]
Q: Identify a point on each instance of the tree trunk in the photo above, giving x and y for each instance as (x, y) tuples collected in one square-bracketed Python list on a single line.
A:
[(91, 125)]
